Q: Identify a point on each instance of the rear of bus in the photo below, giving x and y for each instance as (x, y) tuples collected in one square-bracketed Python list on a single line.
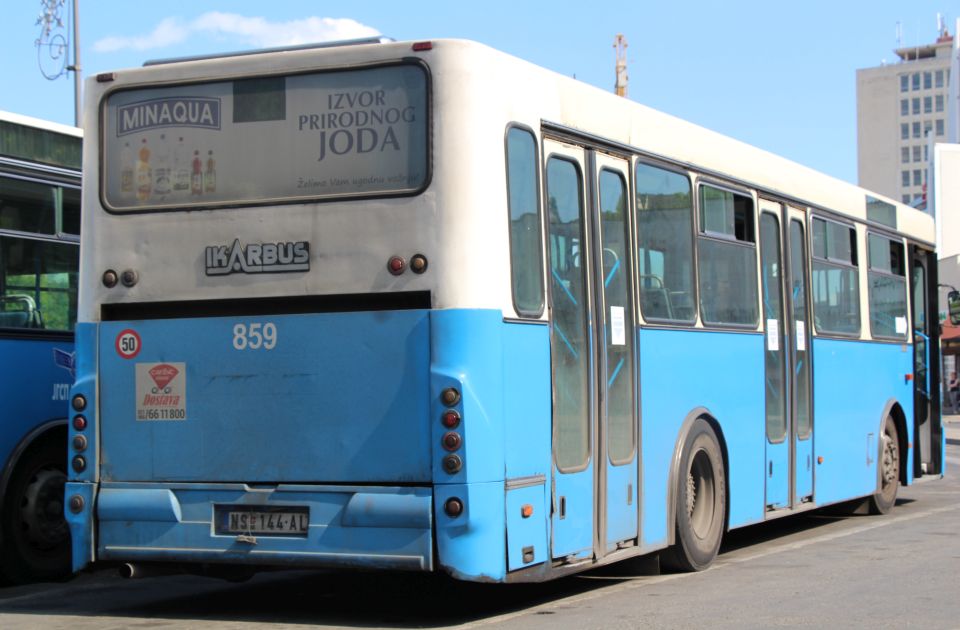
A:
[(291, 342)]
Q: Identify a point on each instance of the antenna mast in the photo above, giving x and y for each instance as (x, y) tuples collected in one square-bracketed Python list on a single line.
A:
[(620, 45)]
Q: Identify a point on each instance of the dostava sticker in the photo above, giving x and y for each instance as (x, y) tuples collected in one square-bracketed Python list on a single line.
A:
[(161, 391)]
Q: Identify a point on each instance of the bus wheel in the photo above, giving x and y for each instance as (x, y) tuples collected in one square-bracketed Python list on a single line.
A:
[(36, 539), (701, 502), (883, 501)]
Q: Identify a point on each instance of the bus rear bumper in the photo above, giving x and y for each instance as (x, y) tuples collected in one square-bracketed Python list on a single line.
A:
[(345, 526)]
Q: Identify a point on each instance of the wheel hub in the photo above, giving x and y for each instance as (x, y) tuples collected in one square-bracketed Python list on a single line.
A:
[(890, 464)]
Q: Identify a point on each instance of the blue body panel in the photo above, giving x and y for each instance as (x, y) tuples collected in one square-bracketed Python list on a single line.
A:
[(466, 353), (341, 398), (368, 526), (853, 383), (527, 423), (527, 438), (573, 524), (345, 420), (804, 468), (34, 386), (621, 503), (723, 373), (527, 532)]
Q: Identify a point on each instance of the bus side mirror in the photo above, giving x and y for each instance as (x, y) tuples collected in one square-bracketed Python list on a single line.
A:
[(953, 306)]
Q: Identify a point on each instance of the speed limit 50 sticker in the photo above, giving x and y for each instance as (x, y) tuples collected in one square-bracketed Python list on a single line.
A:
[(128, 343), (161, 391)]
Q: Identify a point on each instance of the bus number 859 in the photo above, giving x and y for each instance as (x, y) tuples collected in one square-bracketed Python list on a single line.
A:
[(254, 336)]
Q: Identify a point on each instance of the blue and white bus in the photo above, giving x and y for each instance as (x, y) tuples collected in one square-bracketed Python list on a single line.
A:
[(39, 259), (425, 306)]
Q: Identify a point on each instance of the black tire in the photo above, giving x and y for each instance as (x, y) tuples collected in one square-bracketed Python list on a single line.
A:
[(701, 502), (36, 538), (889, 464)]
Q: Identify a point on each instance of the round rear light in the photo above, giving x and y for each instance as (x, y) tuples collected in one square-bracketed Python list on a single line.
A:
[(450, 418), (79, 423), (452, 464), (129, 277), (79, 402), (453, 507), (396, 265), (79, 443), (79, 464), (418, 264), (76, 504), (110, 278), (450, 396), (452, 441)]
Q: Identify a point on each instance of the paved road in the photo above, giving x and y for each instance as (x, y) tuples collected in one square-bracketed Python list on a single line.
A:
[(815, 570)]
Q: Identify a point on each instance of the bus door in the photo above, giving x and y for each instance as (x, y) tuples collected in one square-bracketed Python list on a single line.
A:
[(617, 444), (925, 403), (788, 427), (592, 353)]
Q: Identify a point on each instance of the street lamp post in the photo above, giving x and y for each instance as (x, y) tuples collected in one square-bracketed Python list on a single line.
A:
[(53, 48)]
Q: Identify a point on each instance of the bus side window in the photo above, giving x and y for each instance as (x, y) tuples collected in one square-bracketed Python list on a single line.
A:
[(665, 244), (526, 259), (728, 261), (38, 274), (836, 292), (887, 284)]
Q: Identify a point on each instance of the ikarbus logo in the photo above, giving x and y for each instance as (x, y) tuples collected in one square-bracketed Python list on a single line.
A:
[(178, 111), (257, 258)]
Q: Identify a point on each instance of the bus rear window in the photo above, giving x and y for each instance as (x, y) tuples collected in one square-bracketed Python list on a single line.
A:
[(269, 139)]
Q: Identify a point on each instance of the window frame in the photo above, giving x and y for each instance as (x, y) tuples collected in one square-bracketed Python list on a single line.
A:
[(719, 237), (102, 113), (587, 313), (632, 299), (692, 233), (882, 272), (57, 180), (538, 166), (827, 217)]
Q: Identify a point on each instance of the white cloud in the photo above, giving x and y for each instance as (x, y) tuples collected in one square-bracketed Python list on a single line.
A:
[(257, 32), (169, 31)]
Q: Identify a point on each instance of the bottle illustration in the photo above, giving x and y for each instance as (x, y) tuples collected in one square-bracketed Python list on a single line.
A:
[(144, 174), (126, 169), (196, 181), (210, 175), (161, 172), (181, 168)]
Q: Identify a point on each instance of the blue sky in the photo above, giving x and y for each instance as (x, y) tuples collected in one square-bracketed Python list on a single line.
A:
[(779, 75)]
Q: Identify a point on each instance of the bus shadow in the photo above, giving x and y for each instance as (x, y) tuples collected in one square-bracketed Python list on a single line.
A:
[(295, 597), (791, 525), (355, 599)]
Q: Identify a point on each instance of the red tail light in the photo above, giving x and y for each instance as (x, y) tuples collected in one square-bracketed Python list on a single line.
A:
[(396, 265), (450, 419)]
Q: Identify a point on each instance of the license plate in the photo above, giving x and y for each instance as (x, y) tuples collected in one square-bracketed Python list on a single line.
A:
[(277, 521)]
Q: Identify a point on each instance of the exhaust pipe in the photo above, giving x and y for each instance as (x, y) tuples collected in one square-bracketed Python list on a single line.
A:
[(131, 571)]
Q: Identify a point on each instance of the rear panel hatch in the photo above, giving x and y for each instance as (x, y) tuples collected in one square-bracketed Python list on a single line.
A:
[(321, 398)]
